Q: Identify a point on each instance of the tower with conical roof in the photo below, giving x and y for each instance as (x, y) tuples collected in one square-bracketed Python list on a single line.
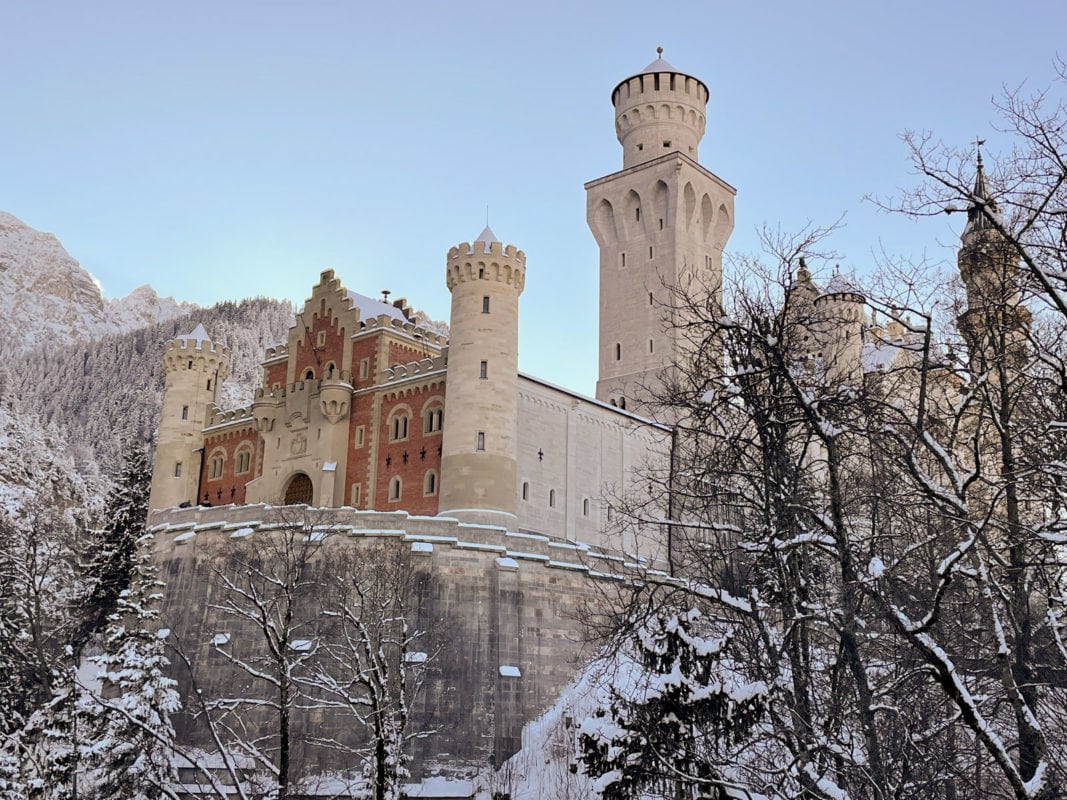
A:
[(478, 447), (194, 367), (995, 322), (661, 224)]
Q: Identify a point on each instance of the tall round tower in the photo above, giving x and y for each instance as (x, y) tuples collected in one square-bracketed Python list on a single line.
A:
[(658, 111), (194, 367), (839, 311), (478, 450)]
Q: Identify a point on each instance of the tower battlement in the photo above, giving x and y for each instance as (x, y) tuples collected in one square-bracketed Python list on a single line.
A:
[(657, 111), (485, 260)]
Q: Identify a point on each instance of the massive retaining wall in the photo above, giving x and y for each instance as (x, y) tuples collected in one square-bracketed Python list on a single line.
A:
[(509, 610)]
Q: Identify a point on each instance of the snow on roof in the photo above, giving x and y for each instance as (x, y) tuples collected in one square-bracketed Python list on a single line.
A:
[(882, 355), (369, 308), (839, 284), (198, 335)]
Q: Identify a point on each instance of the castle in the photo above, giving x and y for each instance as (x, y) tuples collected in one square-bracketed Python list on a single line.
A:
[(367, 407), (501, 482)]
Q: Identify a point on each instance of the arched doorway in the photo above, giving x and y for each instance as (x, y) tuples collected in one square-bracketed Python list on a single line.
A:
[(299, 491)]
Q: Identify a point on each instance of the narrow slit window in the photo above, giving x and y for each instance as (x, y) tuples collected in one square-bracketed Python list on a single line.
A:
[(650, 254), (481, 440), (651, 347), (585, 507), (650, 298), (178, 469), (637, 213), (485, 305), (618, 352), (526, 490), (623, 259), (483, 370), (661, 223), (185, 412), (551, 498)]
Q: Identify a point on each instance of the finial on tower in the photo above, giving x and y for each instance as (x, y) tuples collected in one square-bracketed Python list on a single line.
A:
[(659, 52)]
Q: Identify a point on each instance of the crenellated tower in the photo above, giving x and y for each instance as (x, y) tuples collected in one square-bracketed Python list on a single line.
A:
[(194, 368), (839, 312), (661, 224), (995, 322), (478, 449)]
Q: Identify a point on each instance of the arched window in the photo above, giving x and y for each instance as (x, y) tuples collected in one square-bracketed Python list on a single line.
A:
[(242, 461), (216, 463), (299, 491), (330, 371), (309, 375), (395, 488), (429, 483), (432, 418), (398, 426)]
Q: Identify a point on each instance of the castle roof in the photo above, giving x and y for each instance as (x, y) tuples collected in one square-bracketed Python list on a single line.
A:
[(659, 65), (839, 284), (197, 335), (369, 308), (487, 235)]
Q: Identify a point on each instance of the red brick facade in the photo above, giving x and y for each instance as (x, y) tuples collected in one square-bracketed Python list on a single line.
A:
[(220, 480)]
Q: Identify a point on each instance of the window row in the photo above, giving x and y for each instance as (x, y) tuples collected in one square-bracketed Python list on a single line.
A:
[(586, 503), (398, 424), (429, 486), (216, 464)]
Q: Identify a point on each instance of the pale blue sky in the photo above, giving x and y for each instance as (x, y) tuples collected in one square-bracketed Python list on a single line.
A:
[(223, 149)]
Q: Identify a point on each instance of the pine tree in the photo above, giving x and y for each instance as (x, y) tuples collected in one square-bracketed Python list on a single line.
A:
[(677, 704), (129, 751), (112, 565)]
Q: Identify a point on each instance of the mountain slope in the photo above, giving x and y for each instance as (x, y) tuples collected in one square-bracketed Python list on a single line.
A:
[(45, 294)]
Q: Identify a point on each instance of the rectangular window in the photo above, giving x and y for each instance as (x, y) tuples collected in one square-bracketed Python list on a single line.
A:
[(359, 436), (483, 370), (185, 412), (481, 440), (178, 470), (650, 254), (364, 368), (485, 305), (661, 223), (321, 339), (637, 213), (623, 259), (209, 384), (356, 488)]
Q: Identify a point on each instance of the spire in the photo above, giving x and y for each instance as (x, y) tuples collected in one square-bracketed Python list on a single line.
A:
[(976, 219), (487, 236), (197, 335)]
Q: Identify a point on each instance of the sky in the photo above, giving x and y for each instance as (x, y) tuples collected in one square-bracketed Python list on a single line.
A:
[(227, 149)]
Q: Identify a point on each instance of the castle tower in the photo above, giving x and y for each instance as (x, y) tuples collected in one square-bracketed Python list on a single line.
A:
[(994, 324), (478, 449), (840, 316), (661, 224), (194, 368)]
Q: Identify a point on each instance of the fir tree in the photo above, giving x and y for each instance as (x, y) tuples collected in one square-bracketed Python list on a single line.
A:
[(677, 704), (129, 750), (112, 564)]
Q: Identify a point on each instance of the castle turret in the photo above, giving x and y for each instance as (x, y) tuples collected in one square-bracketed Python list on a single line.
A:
[(661, 224), (478, 450), (657, 111), (839, 312), (995, 323), (194, 368)]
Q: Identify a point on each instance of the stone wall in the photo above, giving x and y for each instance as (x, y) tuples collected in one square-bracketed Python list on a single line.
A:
[(508, 609)]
